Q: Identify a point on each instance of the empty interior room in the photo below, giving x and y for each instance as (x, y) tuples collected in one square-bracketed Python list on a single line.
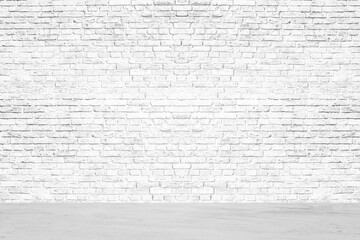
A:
[(179, 119)]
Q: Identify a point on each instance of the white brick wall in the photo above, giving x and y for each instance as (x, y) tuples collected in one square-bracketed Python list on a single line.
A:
[(179, 100)]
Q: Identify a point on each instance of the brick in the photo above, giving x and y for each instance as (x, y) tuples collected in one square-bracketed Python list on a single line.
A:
[(179, 100)]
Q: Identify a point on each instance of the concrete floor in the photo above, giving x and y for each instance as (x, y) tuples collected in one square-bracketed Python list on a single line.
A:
[(179, 221)]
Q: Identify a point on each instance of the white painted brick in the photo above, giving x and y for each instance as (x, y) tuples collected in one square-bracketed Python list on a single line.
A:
[(179, 100)]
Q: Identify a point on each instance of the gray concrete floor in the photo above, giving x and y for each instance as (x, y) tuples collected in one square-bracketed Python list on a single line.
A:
[(179, 221)]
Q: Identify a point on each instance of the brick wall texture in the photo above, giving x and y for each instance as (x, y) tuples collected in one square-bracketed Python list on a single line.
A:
[(179, 101)]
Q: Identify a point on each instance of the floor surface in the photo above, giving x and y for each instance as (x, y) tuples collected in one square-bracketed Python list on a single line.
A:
[(179, 221)]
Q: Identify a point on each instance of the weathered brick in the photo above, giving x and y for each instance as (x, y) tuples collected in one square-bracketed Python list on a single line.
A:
[(179, 100)]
